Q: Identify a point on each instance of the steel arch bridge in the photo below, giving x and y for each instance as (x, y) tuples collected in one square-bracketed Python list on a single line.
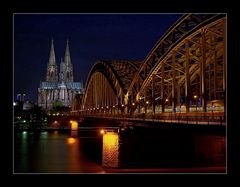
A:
[(184, 72), (107, 85)]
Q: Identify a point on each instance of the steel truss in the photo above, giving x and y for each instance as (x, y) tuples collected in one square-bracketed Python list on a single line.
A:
[(185, 70), (107, 85)]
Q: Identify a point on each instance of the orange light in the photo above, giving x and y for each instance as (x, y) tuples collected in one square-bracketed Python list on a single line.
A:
[(74, 125), (110, 149), (133, 104), (147, 102), (110, 139), (102, 131), (167, 100), (195, 96), (71, 140)]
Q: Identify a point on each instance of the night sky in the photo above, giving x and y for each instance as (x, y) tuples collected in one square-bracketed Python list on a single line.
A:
[(91, 37)]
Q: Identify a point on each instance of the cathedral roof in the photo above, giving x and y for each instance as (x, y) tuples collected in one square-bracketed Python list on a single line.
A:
[(59, 85)]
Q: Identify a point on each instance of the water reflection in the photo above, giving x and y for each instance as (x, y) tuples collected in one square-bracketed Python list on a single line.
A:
[(89, 151), (51, 152), (74, 133), (110, 152), (24, 135), (71, 140)]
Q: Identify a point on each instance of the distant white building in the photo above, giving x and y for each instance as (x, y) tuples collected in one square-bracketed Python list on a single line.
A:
[(58, 86), (27, 105)]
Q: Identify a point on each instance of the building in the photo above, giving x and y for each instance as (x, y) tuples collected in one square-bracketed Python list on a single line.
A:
[(21, 97), (59, 86)]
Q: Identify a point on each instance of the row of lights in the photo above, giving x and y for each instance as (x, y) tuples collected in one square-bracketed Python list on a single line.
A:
[(133, 104), (103, 107)]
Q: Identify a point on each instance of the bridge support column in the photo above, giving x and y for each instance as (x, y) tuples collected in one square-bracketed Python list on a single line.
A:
[(126, 107), (139, 99), (173, 83), (129, 105), (187, 77), (162, 88), (153, 93), (224, 64), (110, 150), (202, 72), (178, 97), (145, 101), (139, 105), (215, 76)]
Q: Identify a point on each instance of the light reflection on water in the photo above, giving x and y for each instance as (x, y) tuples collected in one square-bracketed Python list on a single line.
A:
[(72, 152), (74, 133), (51, 152), (110, 152)]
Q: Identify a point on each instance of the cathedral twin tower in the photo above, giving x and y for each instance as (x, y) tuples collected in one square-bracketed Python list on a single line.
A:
[(58, 87)]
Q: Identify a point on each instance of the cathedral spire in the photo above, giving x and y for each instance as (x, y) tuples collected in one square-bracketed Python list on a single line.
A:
[(52, 69), (52, 59), (67, 54)]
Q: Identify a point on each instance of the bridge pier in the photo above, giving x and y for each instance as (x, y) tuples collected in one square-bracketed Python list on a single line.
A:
[(110, 150), (74, 128)]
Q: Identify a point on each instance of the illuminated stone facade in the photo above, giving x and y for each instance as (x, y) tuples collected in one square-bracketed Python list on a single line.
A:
[(58, 86)]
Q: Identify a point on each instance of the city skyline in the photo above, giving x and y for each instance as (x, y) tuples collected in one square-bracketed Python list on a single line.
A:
[(91, 37)]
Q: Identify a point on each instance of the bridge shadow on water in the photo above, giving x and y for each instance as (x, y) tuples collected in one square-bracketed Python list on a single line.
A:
[(143, 147)]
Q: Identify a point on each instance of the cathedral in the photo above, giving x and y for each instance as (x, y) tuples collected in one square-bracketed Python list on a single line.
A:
[(59, 86)]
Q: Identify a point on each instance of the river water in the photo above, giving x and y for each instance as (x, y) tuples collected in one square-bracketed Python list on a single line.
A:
[(92, 152), (52, 152)]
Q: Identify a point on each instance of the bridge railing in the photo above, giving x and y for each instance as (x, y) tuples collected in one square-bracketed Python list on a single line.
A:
[(201, 118)]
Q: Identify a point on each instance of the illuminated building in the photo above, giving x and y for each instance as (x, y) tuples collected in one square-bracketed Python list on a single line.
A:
[(58, 86)]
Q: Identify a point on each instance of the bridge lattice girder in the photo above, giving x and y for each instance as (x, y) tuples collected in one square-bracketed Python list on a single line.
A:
[(192, 52), (108, 82), (189, 59)]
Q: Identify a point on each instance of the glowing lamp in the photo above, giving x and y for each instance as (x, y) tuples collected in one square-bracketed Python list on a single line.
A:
[(74, 125), (102, 131)]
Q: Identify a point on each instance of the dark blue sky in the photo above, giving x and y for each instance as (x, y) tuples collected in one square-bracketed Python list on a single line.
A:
[(92, 37)]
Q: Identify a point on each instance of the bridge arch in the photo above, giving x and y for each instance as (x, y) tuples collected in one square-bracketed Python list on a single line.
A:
[(185, 68), (107, 86)]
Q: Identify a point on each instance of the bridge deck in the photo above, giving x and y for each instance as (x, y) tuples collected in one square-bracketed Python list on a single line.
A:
[(207, 119)]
